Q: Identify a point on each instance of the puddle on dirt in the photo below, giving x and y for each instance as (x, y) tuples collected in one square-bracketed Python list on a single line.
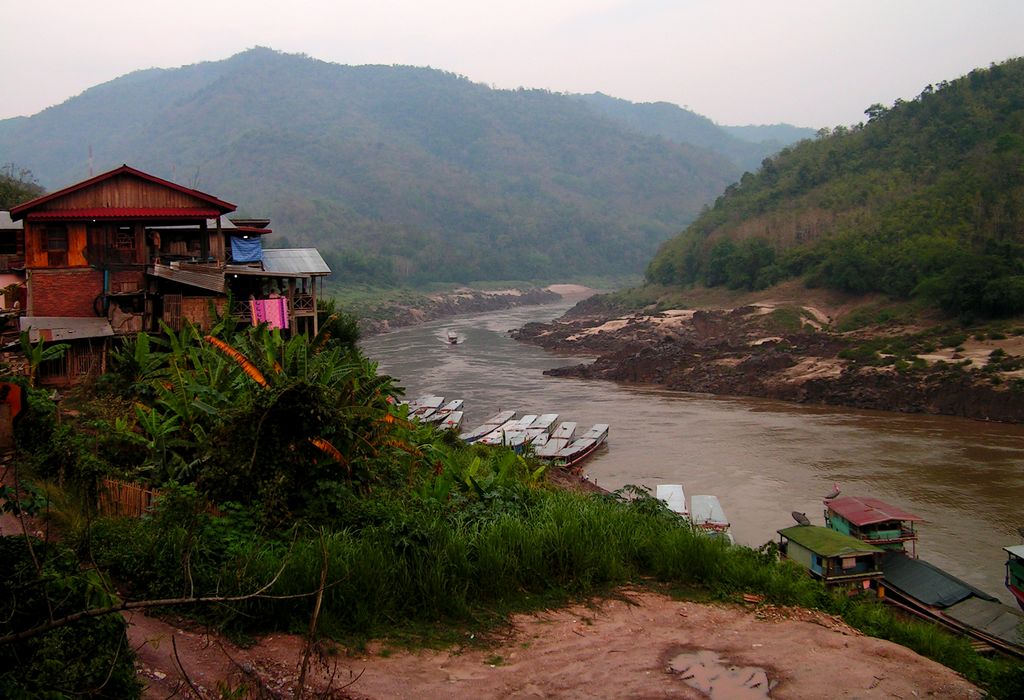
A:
[(706, 672)]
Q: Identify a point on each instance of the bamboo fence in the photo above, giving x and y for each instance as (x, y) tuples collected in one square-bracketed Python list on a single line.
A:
[(124, 498)]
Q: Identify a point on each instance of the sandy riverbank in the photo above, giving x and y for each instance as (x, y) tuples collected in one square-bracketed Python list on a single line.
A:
[(638, 644)]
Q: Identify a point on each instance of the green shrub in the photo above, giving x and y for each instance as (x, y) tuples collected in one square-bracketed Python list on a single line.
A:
[(90, 657)]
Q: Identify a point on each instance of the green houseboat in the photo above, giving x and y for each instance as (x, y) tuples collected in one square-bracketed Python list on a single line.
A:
[(873, 521), (1015, 572), (839, 560)]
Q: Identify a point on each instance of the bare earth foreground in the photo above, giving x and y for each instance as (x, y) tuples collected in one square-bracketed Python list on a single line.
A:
[(643, 645)]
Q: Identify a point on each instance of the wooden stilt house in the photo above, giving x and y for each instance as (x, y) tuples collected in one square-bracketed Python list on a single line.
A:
[(127, 250)]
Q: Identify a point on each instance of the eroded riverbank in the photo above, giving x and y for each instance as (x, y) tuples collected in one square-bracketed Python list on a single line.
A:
[(785, 352)]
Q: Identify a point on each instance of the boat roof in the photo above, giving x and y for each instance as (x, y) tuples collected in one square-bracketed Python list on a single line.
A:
[(860, 510), (673, 496), (826, 541), (546, 420), (1016, 550), (565, 430), (926, 582), (707, 509), (575, 447), (991, 617)]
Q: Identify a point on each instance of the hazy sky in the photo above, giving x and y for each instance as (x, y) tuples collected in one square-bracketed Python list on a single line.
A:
[(806, 62)]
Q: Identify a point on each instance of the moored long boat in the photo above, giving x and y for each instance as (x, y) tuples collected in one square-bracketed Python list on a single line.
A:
[(559, 439), (707, 514), (488, 426), (452, 421), (440, 413), (674, 498), (578, 450), (505, 434)]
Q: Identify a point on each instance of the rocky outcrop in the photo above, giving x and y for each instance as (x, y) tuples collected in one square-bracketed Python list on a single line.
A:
[(749, 351)]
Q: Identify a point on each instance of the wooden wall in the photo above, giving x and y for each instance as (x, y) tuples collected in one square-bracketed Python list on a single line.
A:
[(125, 191), (35, 244)]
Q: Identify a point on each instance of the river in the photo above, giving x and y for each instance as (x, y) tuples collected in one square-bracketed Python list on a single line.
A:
[(762, 458)]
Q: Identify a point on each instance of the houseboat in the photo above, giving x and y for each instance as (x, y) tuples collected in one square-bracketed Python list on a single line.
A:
[(873, 521), (837, 559), (708, 516), (923, 589), (1015, 572)]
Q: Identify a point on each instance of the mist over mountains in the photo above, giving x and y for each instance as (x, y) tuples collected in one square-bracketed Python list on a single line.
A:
[(401, 174)]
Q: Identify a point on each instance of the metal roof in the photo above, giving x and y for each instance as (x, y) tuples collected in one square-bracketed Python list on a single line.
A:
[(220, 206), (52, 328), (825, 541), (296, 261), (1016, 550), (867, 511), (926, 582), (212, 280), (7, 223), (122, 213)]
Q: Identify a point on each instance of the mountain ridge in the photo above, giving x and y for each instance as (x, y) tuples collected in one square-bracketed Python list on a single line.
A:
[(399, 174)]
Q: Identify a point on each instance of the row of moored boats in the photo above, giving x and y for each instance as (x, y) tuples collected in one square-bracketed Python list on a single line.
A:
[(560, 443)]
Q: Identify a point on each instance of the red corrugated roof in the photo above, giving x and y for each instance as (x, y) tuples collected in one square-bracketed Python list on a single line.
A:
[(219, 205), (867, 511), (248, 229), (122, 213)]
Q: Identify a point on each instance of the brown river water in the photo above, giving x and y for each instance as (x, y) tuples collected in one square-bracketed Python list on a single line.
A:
[(762, 458)]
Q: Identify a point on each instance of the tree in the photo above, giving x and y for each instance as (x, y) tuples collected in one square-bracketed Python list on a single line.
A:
[(17, 185)]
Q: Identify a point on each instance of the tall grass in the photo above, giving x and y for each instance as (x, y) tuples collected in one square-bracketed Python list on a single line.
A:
[(419, 564), (434, 566)]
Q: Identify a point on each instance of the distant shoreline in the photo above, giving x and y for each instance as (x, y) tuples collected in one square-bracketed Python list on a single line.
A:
[(431, 307)]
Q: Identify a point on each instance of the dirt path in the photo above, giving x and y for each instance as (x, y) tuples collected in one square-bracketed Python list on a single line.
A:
[(650, 646)]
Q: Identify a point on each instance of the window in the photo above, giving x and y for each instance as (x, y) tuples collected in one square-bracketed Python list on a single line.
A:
[(56, 239), (56, 244), (124, 238)]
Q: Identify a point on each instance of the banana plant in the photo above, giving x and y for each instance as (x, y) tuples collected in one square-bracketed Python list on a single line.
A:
[(39, 353)]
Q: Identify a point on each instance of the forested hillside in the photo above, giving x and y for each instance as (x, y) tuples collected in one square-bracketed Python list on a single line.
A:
[(924, 200), (747, 146), (398, 174)]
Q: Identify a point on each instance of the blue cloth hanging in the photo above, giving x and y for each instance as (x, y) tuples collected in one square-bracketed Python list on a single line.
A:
[(244, 250)]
